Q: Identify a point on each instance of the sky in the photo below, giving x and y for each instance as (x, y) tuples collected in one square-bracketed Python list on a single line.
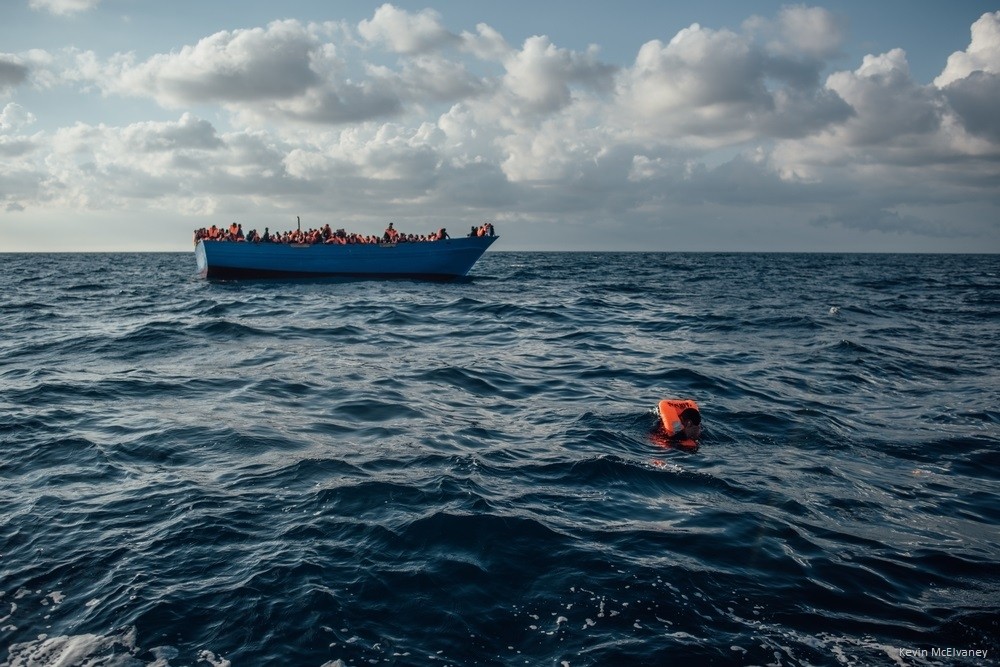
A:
[(634, 125)]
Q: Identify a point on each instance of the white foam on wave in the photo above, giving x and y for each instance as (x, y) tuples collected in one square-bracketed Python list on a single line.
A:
[(56, 596), (91, 650), (86, 650), (209, 657)]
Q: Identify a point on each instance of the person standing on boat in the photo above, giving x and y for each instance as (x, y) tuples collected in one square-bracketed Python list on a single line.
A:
[(390, 234), (442, 234)]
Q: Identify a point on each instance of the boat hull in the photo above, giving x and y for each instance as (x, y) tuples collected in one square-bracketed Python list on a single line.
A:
[(426, 260)]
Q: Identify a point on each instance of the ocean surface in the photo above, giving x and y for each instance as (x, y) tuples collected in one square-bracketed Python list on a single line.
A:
[(405, 473)]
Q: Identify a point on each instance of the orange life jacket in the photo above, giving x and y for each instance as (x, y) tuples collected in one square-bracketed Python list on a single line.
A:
[(670, 410)]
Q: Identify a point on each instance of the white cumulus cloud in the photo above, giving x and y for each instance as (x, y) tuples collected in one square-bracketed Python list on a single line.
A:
[(405, 32), (63, 7), (801, 31), (542, 74), (971, 80), (276, 62), (983, 54), (397, 115), (888, 103), (14, 117), (715, 87)]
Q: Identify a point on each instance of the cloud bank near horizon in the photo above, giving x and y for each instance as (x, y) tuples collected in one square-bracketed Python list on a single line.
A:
[(399, 116)]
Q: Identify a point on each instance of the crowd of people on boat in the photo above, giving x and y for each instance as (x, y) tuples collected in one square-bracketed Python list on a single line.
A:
[(327, 235)]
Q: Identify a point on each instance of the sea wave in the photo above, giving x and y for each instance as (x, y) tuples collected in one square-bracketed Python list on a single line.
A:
[(322, 473)]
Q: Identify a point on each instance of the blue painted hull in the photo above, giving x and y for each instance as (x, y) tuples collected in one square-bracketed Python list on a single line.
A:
[(430, 260)]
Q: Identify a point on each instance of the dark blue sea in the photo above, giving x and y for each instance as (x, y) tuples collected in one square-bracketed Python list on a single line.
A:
[(363, 473)]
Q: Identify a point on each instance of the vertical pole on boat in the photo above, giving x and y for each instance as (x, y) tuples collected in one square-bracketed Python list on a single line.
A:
[(299, 220)]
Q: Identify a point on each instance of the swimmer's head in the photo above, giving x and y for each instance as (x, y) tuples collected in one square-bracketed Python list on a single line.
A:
[(690, 417), (691, 422)]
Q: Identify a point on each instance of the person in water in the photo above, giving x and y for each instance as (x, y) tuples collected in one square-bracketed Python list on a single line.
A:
[(690, 426)]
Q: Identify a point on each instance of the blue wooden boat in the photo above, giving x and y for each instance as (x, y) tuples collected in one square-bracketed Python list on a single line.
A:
[(446, 259)]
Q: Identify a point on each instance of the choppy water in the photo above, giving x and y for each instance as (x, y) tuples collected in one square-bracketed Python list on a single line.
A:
[(408, 473)]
